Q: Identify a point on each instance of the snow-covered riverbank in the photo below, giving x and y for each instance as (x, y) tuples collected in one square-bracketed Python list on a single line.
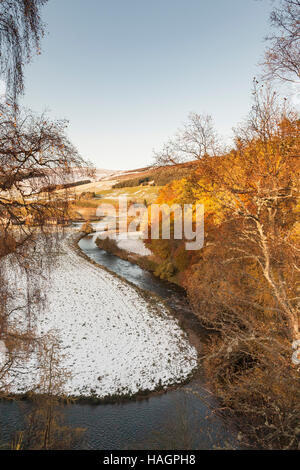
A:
[(115, 341)]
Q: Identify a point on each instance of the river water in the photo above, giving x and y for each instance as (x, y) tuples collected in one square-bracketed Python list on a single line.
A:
[(177, 419)]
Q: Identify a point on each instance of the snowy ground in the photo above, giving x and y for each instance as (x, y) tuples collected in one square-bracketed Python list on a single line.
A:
[(132, 241), (115, 341), (134, 245)]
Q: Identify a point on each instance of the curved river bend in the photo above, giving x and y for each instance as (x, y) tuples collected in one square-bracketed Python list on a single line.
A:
[(177, 419)]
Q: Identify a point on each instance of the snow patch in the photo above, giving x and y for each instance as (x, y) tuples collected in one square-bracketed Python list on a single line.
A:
[(114, 340)]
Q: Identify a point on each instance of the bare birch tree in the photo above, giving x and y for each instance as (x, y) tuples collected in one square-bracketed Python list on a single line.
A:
[(282, 58), (21, 30), (197, 138), (34, 153)]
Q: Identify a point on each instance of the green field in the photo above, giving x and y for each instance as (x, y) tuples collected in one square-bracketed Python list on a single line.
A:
[(135, 194)]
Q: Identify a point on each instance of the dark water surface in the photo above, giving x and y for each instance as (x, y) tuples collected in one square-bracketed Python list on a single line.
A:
[(179, 418)]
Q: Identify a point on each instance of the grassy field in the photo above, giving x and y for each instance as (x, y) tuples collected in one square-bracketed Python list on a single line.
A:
[(106, 192), (135, 194), (86, 208)]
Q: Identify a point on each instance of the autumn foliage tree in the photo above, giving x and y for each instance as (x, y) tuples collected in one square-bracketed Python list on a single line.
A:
[(243, 285), (257, 186)]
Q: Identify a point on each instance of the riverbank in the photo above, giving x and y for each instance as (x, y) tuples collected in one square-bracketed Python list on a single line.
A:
[(180, 309), (183, 413), (146, 262), (118, 341)]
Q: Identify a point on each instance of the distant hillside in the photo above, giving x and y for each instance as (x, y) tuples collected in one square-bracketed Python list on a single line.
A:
[(157, 176)]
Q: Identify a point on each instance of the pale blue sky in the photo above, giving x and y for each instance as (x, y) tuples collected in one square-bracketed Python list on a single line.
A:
[(126, 73)]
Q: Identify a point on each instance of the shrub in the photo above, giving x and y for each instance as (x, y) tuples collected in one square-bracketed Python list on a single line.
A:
[(87, 228)]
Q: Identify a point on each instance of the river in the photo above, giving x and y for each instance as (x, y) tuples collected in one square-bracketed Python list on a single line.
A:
[(177, 419)]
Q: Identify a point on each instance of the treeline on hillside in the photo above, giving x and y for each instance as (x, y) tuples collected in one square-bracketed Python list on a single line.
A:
[(55, 187), (243, 283), (159, 176)]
